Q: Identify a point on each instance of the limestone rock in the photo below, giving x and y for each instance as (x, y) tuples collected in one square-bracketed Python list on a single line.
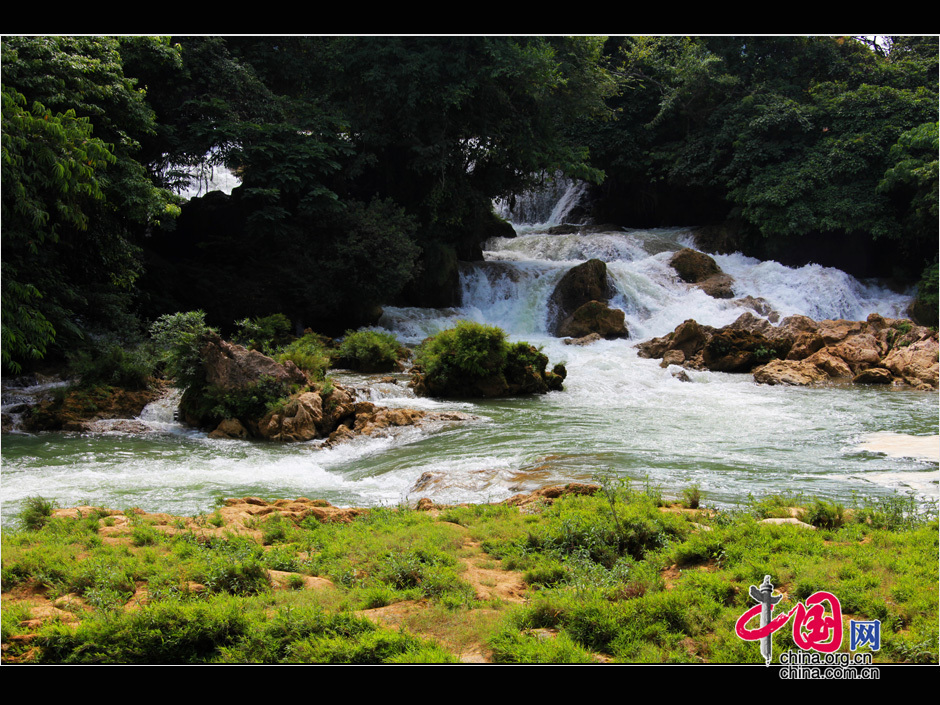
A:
[(718, 286), (594, 317), (697, 268), (789, 372), (581, 284), (916, 364), (802, 351), (874, 375), (229, 428), (232, 366), (299, 419), (693, 266), (586, 340)]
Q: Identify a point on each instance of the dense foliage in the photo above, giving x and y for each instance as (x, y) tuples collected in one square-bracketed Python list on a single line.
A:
[(75, 198), (813, 148), (368, 165), (475, 360)]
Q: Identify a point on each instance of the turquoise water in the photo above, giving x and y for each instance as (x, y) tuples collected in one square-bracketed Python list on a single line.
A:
[(618, 415)]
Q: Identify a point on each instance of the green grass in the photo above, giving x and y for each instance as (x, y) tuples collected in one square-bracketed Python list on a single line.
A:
[(610, 577)]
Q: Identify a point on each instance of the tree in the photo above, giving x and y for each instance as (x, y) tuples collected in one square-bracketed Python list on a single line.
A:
[(786, 138), (357, 157), (75, 199)]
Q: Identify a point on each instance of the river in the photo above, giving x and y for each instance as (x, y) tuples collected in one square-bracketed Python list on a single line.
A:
[(619, 415)]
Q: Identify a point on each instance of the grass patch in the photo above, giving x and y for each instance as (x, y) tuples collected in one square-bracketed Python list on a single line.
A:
[(608, 577)]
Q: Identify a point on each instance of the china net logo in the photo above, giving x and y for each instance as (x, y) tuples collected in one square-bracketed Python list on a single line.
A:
[(817, 631)]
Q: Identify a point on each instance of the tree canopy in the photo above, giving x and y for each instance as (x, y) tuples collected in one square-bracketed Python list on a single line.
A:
[(368, 165)]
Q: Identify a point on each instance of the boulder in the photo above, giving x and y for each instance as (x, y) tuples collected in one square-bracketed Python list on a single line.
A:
[(697, 268), (230, 428), (917, 363), (834, 367), (874, 375), (581, 284), (586, 340), (789, 372), (301, 418), (735, 350), (594, 317), (760, 306), (876, 351), (689, 338), (231, 366), (718, 286), (693, 266)]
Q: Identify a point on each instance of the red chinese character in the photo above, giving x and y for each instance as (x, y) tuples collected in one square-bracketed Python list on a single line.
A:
[(822, 633), (773, 625)]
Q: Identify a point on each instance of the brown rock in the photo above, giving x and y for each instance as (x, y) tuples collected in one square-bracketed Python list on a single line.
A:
[(760, 306), (673, 357), (917, 363), (594, 317), (830, 364), (734, 350), (586, 340), (789, 372), (229, 428), (233, 367), (874, 375), (859, 351), (581, 284), (300, 419), (697, 268), (718, 286), (693, 266), (805, 344)]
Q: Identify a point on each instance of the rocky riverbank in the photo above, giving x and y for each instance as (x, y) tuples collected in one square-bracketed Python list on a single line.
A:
[(801, 351)]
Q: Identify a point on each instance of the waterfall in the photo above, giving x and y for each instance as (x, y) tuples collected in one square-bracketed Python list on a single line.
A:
[(618, 414), (511, 287), (550, 204)]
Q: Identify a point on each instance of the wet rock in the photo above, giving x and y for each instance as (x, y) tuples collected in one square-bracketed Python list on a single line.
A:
[(697, 268), (693, 266), (789, 372), (875, 375), (230, 428), (760, 306), (594, 317), (802, 351), (580, 285), (299, 419), (718, 286), (672, 357), (586, 340), (917, 363)]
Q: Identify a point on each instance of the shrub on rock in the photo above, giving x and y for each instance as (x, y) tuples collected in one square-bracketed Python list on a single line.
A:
[(370, 351), (475, 360)]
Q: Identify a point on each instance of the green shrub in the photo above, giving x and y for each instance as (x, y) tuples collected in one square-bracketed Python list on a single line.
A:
[(36, 512), (370, 351), (473, 350), (264, 334), (309, 353), (179, 337), (825, 515), (108, 363), (691, 497), (474, 359)]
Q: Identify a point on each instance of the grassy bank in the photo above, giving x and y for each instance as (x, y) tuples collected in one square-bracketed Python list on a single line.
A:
[(612, 575)]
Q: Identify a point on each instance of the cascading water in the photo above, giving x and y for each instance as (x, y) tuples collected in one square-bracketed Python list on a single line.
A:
[(619, 414), (549, 205)]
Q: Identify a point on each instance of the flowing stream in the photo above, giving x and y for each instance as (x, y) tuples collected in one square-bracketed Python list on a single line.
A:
[(619, 415)]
